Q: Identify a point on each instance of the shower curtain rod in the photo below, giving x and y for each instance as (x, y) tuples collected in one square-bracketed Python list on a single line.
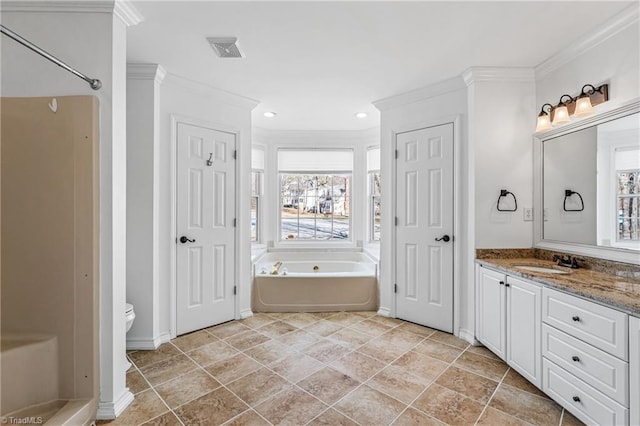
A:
[(94, 83)]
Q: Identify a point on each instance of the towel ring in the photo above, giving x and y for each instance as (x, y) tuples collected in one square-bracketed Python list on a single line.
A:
[(568, 193), (504, 193)]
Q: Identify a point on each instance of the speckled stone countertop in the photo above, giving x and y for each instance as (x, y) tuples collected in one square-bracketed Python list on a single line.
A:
[(614, 291)]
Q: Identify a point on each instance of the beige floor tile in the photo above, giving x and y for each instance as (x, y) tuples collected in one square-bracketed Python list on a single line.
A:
[(233, 368), (399, 383), (481, 350), (213, 408), (513, 378), (349, 338), (291, 407), (360, 367), (438, 350), (248, 418), (449, 339), (144, 358), (269, 352), (364, 314), (418, 329), (257, 320), (345, 318), (326, 351), (370, 327), (469, 384), (323, 328), (391, 322), (296, 367), (187, 387), (136, 382), (228, 329), (569, 419), (171, 368), (493, 417), (194, 340), (413, 417), (258, 386), (324, 315), (329, 385), (144, 407), (448, 406), (420, 365), (277, 328), (213, 352), (382, 350), (332, 418), (484, 366), (367, 406), (167, 419), (401, 339), (246, 340), (301, 320), (526, 406), (298, 339)]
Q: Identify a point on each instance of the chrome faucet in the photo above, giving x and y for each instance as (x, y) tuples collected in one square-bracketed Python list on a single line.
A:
[(569, 262), (276, 268)]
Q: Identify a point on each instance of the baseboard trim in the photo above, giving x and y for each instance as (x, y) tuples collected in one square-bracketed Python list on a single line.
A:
[(149, 343), (384, 312), (110, 410), (247, 313), (468, 336)]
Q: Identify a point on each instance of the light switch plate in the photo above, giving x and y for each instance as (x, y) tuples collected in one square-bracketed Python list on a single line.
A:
[(528, 214)]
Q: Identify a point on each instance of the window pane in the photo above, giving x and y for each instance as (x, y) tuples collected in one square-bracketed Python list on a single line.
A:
[(628, 218), (254, 218)]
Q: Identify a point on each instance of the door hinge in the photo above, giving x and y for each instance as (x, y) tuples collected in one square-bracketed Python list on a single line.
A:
[(235, 154), (396, 154), (235, 290), (397, 220), (234, 222), (395, 288)]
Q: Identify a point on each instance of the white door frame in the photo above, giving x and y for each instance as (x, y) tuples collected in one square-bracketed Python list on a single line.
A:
[(173, 267), (457, 217)]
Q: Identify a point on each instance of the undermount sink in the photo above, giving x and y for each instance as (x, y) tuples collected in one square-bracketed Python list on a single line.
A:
[(542, 269)]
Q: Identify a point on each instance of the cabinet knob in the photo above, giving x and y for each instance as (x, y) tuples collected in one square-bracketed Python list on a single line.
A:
[(507, 285), (575, 358), (576, 398), (501, 282), (575, 318)]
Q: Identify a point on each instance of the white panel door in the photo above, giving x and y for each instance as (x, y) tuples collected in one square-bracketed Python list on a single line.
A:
[(424, 237), (205, 227)]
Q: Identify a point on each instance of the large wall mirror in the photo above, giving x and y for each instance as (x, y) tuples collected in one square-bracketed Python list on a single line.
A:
[(588, 186)]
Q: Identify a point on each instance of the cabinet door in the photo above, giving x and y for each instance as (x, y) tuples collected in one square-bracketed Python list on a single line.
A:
[(490, 310), (524, 305), (634, 370)]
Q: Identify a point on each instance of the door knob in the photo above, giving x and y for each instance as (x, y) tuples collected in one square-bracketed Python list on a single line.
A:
[(184, 239), (444, 238)]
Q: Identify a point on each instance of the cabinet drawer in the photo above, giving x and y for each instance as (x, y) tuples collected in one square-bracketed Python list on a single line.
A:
[(583, 401), (602, 327), (604, 372)]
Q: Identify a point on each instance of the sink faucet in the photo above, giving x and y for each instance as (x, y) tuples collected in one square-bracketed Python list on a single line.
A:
[(276, 268), (569, 262)]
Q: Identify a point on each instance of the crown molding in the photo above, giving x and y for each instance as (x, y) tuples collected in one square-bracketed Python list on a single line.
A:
[(503, 74), (431, 91), (214, 92), (608, 29), (123, 9), (146, 72)]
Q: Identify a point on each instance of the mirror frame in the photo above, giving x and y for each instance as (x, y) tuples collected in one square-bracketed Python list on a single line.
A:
[(609, 253)]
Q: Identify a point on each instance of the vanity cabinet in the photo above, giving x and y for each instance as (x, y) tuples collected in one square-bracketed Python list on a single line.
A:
[(508, 320), (585, 358), (634, 369)]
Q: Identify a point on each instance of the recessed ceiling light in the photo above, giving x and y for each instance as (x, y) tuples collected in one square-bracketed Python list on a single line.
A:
[(361, 114), (270, 114)]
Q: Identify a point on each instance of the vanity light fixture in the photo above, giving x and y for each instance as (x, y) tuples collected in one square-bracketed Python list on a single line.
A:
[(568, 106), (269, 114)]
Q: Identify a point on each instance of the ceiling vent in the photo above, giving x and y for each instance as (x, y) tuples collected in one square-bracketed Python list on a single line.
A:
[(225, 47)]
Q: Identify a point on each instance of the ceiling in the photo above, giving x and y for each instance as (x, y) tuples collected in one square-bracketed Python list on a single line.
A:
[(318, 63)]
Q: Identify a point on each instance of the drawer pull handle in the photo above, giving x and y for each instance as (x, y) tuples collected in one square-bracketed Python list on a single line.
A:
[(576, 398), (575, 358), (501, 282), (575, 318)]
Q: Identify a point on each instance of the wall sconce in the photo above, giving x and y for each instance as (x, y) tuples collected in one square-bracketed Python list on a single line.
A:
[(568, 106)]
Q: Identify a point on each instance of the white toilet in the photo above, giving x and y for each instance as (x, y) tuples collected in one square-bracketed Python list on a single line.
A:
[(129, 316)]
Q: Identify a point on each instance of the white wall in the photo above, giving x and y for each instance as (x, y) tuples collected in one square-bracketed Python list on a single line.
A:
[(205, 105), (95, 44)]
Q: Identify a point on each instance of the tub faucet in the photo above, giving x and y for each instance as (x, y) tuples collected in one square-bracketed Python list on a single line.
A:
[(569, 262), (276, 268)]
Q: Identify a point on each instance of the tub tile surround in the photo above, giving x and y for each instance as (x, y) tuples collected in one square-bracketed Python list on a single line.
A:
[(612, 284), (397, 373)]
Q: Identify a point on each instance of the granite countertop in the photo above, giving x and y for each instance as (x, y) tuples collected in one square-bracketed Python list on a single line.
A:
[(616, 292)]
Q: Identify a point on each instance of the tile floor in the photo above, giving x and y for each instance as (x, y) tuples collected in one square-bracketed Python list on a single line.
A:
[(329, 369)]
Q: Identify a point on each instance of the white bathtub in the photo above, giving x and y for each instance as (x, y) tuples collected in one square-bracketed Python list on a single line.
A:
[(315, 282)]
